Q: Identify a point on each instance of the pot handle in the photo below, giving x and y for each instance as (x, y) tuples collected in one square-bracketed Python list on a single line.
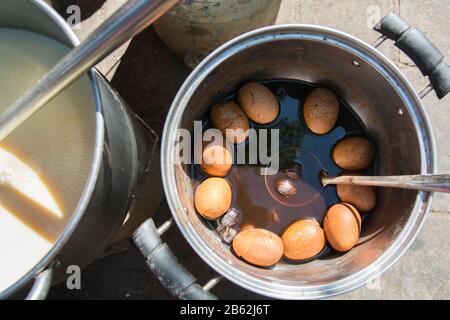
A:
[(161, 261), (415, 44), (41, 285)]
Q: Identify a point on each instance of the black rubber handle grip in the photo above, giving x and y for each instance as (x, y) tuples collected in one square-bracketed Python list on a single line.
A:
[(420, 49), (178, 281)]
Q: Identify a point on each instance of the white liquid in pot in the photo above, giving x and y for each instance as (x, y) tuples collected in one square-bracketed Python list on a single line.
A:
[(45, 162)]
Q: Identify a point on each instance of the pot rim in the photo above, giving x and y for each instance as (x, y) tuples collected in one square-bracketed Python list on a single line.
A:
[(49, 258), (396, 79)]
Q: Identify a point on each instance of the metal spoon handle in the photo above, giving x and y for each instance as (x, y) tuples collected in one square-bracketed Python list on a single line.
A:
[(431, 182), (133, 17)]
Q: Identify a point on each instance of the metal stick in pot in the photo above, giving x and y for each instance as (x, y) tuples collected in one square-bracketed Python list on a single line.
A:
[(431, 182)]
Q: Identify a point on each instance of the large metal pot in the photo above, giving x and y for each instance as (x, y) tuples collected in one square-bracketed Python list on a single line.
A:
[(381, 96), (98, 168)]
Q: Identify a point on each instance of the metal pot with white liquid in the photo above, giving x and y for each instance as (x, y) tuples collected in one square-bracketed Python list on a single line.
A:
[(72, 171)]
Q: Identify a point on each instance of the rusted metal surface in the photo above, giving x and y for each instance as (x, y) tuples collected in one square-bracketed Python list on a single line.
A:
[(195, 28)]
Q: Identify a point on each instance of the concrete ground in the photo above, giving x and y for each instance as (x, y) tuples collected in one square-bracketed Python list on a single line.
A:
[(137, 71)]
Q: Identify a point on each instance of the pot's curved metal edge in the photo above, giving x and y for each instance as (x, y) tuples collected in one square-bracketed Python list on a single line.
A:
[(94, 170), (406, 236)]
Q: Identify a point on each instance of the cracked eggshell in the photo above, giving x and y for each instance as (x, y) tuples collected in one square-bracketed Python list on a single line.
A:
[(228, 115), (258, 103), (216, 160), (303, 240), (362, 197), (321, 110), (342, 225), (258, 246), (213, 198), (353, 153)]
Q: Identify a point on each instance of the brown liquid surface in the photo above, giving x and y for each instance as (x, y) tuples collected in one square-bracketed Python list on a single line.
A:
[(255, 195)]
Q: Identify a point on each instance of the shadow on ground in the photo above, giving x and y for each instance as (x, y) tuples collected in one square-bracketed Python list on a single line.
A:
[(148, 78)]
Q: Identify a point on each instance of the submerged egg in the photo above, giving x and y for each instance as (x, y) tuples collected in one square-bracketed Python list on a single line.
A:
[(321, 110), (342, 226), (362, 197), (258, 246), (216, 160), (229, 118), (213, 198), (353, 153), (258, 102)]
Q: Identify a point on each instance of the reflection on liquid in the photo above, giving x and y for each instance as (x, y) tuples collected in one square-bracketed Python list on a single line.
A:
[(309, 186), (23, 179), (30, 219)]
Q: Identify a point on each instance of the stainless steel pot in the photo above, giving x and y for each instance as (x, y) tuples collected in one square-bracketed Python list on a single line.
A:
[(100, 168), (381, 96)]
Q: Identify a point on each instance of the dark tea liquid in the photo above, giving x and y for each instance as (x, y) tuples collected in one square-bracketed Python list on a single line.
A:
[(255, 194)]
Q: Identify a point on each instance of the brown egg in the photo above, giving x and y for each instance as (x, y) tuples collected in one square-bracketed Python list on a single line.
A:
[(342, 226), (303, 239), (258, 103), (258, 246), (216, 160), (229, 115), (321, 110), (213, 198), (353, 153), (362, 197)]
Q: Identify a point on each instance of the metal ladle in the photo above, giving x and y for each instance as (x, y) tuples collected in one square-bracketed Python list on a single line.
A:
[(430, 182), (129, 20)]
